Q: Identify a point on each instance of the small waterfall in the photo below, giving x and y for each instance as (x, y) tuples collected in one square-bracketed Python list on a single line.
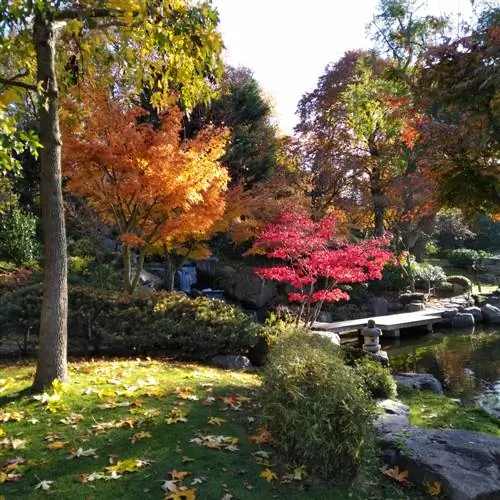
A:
[(187, 278)]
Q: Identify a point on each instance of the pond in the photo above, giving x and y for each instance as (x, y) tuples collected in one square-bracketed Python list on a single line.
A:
[(467, 363)]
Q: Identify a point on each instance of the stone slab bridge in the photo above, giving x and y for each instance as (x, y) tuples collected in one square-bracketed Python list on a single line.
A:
[(390, 325)]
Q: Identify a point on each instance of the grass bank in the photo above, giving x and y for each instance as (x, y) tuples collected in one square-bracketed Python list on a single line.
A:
[(151, 429), (431, 410)]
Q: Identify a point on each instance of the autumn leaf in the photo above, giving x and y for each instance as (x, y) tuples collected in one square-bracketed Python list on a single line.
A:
[(185, 393), (13, 443), (2, 432), (176, 415), (129, 465), (140, 435), (396, 473), (72, 419), (186, 494), (88, 478), (434, 489), (186, 459), (11, 416), (80, 452), (268, 475), (180, 475), (57, 445), (263, 436), (44, 485), (216, 421)]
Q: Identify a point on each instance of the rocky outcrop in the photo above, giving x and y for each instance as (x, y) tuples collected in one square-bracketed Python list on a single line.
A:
[(462, 320), (418, 381), (466, 463), (491, 314), (243, 285)]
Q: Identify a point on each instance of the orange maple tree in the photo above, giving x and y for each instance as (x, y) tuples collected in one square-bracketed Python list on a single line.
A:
[(156, 188)]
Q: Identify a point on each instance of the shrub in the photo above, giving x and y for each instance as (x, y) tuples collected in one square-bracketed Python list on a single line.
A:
[(444, 289), (377, 379), (394, 277), (18, 236), (462, 281), (315, 406), (113, 322), (427, 274), (465, 257)]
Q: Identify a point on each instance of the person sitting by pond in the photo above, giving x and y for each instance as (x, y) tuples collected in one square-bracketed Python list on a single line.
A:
[(371, 334)]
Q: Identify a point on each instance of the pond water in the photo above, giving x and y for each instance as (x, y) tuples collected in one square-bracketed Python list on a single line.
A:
[(467, 363)]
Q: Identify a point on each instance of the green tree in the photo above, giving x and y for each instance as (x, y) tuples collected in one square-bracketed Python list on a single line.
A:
[(48, 45)]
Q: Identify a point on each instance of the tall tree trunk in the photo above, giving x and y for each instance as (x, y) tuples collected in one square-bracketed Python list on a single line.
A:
[(378, 206), (52, 351), (127, 269), (170, 270)]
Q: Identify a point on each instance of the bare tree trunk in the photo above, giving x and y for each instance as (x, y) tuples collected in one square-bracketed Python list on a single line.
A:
[(127, 269), (52, 351), (170, 270)]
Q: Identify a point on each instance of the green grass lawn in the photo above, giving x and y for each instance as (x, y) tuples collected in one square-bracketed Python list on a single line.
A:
[(146, 429)]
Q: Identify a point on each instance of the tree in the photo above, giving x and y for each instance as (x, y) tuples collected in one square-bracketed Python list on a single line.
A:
[(127, 42), (315, 263), (252, 152), (157, 190)]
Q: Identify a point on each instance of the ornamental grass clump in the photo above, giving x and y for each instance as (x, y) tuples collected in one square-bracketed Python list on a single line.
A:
[(377, 379), (316, 407)]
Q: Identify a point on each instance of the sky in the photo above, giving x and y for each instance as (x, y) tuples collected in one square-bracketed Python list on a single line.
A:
[(289, 43)]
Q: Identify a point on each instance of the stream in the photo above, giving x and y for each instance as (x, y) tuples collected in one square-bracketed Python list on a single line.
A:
[(467, 363)]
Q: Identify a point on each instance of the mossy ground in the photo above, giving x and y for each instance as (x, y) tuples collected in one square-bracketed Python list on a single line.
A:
[(431, 410), (108, 402)]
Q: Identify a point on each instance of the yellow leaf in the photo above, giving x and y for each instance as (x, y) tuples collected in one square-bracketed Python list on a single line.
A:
[(268, 475), (140, 435), (299, 473), (216, 420), (186, 459), (181, 495), (434, 489), (57, 445), (180, 475)]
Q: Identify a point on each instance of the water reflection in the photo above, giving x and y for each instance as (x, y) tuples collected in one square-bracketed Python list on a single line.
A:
[(467, 364)]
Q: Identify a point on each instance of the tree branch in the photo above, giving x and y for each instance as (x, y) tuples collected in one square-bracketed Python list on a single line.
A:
[(12, 82), (68, 15)]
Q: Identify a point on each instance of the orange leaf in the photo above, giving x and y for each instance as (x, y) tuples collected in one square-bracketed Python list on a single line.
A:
[(434, 489)]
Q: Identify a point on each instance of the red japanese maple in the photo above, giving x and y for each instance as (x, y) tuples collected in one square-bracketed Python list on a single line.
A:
[(315, 262)]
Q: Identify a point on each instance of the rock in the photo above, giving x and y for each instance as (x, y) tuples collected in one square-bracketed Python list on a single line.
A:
[(394, 416), (333, 337), (419, 381), (462, 320), (232, 362), (382, 357), (491, 314), (243, 285), (349, 311), (325, 317), (476, 312), (150, 280), (466, 463), (379, 306), (448, 315), (406, 298), (414, 307)]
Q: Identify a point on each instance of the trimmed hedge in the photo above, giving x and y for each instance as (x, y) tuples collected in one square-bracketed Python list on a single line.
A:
[(465, 257), (462, 281), (111, 322), (315, 406)]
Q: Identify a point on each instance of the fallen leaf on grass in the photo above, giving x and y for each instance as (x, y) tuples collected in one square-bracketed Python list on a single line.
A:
[(11, 416), (128, 465), (57, 445), (186, 459), (9, 478), (2, 432), (216, 421), (268, 475), (80, 452), (140, 435), (208, 401), (13, 443), (155, 393), (434, 489), (183, 392), (72, 419), (181, 494), (227, 496), (88, 478), (216, 442), (199, 480), (263, 436), (180, 475), (176, 415), (44, 485), (400, 475)]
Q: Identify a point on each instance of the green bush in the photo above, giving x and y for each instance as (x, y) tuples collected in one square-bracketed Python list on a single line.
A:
[(465, 257), (315, 406), (104, 321), (18, 236), (377, 379), (462, 281), (394, 277), (427, 274)]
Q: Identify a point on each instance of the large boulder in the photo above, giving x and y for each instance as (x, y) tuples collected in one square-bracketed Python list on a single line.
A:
[(334, 338), (414, 307), (462, 320), (243, 285), (420, 381), (476, 312), (466, 463), (232, 362), (491, 314)]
